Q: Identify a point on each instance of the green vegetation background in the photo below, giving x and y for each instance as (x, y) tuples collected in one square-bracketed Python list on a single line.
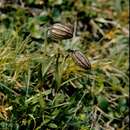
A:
[(42, 90)]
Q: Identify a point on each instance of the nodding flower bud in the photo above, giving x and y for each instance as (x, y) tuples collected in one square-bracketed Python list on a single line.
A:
[(60, 31), (80, 59)]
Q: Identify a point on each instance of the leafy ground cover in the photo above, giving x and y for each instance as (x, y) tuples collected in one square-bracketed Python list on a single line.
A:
[(41, 87)]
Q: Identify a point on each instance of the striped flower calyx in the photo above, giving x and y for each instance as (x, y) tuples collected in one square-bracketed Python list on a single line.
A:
[(60, 31), (80, 59)]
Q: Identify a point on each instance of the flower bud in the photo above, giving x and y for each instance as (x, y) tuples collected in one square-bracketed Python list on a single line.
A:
[(60, 31), (80, 59)]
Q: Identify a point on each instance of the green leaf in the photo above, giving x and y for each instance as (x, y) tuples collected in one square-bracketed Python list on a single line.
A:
[(52, 125), (42, 19), (102, 102)]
